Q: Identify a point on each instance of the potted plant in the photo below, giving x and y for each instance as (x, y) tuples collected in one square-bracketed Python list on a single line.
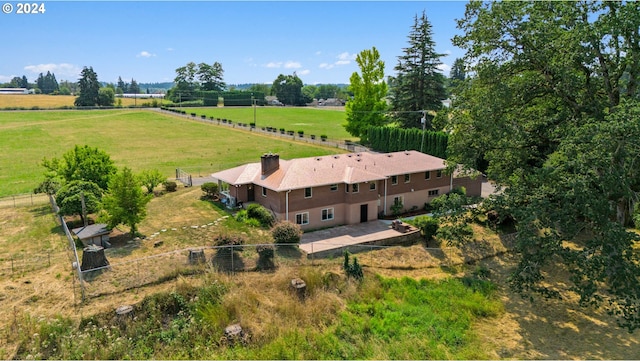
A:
[(323, 137), (301, 133), (312, 136), (281, 130)]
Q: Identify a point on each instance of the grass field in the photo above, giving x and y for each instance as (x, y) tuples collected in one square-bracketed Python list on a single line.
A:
[(41, 101), (139, 138), (316, 121)]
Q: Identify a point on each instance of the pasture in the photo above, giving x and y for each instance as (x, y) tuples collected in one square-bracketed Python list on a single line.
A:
[(136, 138), (28, 101), (310, 120)]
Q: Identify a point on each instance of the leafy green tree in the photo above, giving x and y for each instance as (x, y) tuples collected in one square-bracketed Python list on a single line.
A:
[(70, 198), (82, 163), (151, 178), (453, 218), (551, 113), (211, 77), (288, 89), (106, 96), (89, 87), (368, 104), (125, 203), (418, 85)]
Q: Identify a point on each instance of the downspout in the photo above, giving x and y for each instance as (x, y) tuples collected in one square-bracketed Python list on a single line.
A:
[(286, 195), (385, 197), (451, 183)]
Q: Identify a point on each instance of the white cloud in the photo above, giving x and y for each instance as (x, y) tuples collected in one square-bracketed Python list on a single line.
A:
[(318, 52), (145, 54), (274, 64), (447, 52), (444, 68), (346, 57), (170, 49), (292, 65), (342, 62), (60, 70), (303, 72), (325, 66)]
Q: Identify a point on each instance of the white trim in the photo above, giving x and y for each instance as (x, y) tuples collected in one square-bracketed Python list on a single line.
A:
[(303, 218), (330, 211)]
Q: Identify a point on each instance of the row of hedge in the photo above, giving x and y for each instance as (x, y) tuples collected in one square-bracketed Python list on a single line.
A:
[(388, 139), (230, 98)]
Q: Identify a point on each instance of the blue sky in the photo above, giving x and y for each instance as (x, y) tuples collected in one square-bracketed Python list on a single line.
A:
[(255, 41)]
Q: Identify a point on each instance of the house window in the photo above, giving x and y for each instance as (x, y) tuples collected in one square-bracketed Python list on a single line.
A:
[(397, 201), (407, 178), (427, 175), (372, 186), (394, 180), (264, 191), (355, 188), (334, 187), (433, 192), (307, 192), (327, 214), (346, 188), (302, 218), (439, 173)]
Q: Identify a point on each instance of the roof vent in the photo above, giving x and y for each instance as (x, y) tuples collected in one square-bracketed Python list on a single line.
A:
[(389, 155), (349, 155), (406, 152), (336, 156), (318, 158), (357, 160)]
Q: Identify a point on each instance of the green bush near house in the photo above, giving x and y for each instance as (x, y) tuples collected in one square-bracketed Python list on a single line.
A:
[(286, 232), (258, 212)]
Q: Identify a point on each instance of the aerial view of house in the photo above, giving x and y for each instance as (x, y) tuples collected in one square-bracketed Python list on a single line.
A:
[(319, 192)]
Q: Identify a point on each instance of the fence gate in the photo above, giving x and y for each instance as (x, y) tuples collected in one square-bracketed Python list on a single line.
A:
[(184, 177)]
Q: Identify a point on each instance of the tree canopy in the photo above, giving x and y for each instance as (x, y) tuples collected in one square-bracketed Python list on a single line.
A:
[(551, 114), (82, 163), (418, 85), (89, 87), (366, 108), (288, 90), (125, 202)]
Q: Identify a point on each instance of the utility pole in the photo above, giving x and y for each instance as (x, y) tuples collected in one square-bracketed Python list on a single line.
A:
[(423, 120)]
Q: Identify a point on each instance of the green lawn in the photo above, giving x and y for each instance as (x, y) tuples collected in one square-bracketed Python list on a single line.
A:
[(139, 139), (317, 121)]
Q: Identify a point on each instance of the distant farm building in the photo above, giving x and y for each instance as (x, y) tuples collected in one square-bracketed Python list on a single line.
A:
[(14, 91), (141, 96)]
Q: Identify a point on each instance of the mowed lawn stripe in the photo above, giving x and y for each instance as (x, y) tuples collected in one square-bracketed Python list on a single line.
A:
[(139, 139), (311, 120)]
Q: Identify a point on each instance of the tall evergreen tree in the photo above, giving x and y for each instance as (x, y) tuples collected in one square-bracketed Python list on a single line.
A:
[(134, 88), (121, 86), (418, 85), (89, 88)]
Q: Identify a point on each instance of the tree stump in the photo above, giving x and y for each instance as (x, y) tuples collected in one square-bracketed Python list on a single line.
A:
[(196, 256), (124, 313), (93, 257), (233, 334), (299, 287)]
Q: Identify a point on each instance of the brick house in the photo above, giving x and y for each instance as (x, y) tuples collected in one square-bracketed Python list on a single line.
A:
[(326, 191)]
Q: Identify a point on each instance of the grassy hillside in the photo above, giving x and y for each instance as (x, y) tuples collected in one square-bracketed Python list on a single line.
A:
[(317, 121), (139, 139)]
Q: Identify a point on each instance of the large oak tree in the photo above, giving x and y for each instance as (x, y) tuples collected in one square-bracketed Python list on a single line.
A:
[(551, 114)]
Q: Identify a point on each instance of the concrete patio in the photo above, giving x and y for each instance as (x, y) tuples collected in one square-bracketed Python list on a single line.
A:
[(333, 241)]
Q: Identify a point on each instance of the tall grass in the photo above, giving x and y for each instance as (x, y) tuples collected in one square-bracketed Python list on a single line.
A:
[(378, 319)]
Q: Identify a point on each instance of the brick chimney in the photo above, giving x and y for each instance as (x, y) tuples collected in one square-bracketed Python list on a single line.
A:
[(270, 163)]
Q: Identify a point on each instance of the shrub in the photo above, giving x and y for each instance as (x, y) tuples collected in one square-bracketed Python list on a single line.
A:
[(286, 232), (226, 239), (256, 211), (459, 190), (210, 189), (170, 186), (353, 270), (428, 226)]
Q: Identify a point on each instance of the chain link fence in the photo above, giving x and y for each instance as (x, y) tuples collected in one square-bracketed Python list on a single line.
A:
[(23, 200)]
